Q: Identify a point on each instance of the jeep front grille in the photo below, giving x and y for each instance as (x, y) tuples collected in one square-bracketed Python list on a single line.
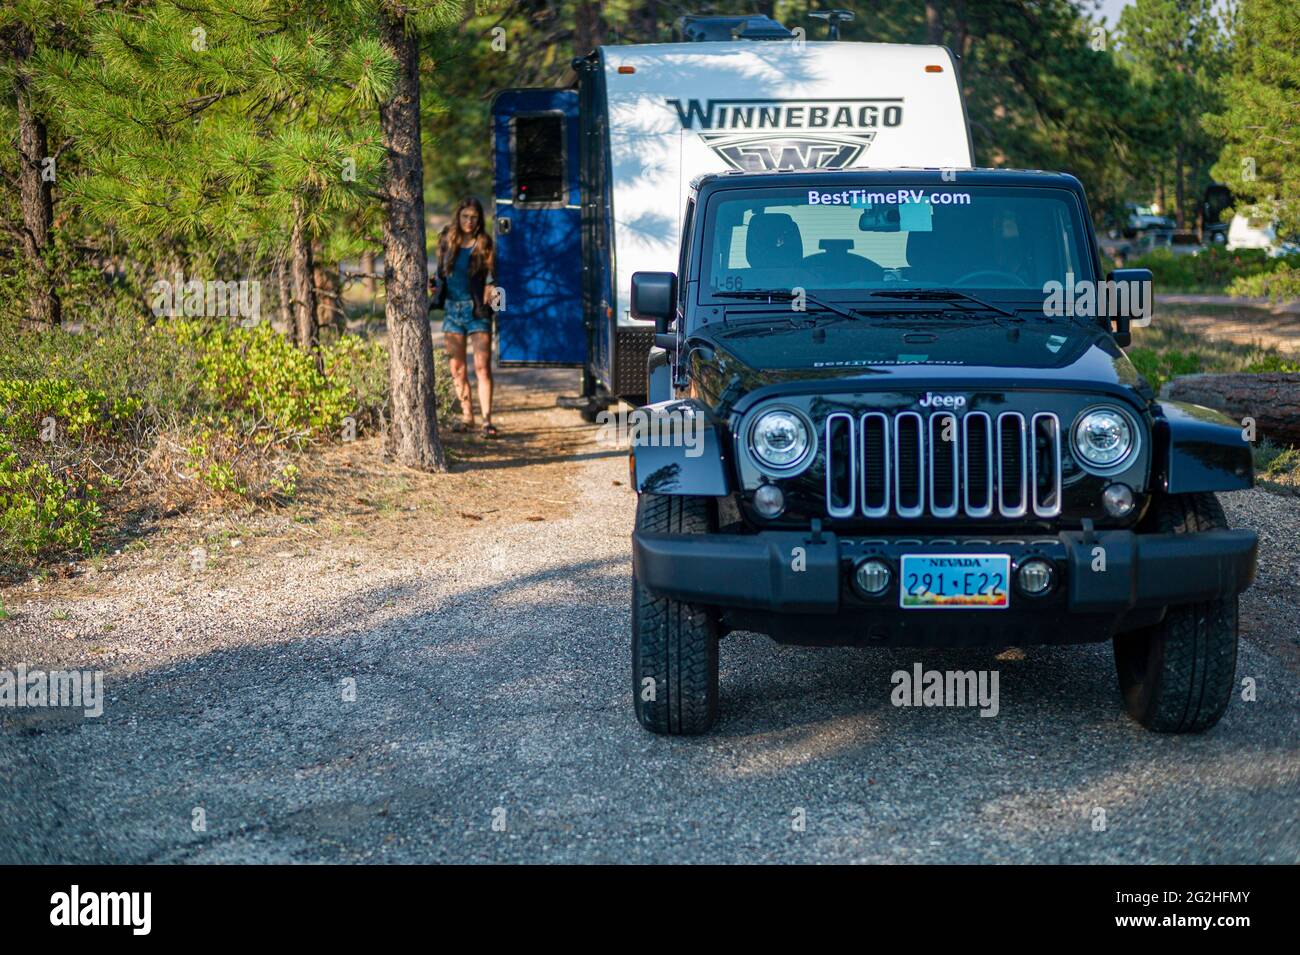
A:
[(909, 466)]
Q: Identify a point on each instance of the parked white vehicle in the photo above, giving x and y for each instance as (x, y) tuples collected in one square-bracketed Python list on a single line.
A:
[(1245, 234)]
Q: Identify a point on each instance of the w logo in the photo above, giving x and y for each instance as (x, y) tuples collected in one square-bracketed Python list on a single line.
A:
[(752, 153)]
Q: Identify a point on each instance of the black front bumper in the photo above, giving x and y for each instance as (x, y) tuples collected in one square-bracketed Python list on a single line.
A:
[(796, 585)]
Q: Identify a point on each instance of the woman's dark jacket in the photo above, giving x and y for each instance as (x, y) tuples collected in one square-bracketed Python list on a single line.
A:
[(481, 268)]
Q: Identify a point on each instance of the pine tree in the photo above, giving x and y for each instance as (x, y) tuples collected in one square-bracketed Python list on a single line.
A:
[(250, 130), (1261, 119), (28, 30), (413, 424), (225, 132), (1176, 52)]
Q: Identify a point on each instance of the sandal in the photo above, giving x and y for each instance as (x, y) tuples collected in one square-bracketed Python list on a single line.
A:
[(461, 427), (489, 430)]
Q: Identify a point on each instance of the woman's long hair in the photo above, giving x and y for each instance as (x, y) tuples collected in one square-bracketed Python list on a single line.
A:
[(452, 238)]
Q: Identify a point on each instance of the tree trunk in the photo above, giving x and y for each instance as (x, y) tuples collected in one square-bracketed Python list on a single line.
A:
[(933, 23), (306, 331), (35, 195), (284, 306), (588, 31), (962, 30), (413, 418), (646, 20), (1179, 185), (1272, 399), (329, 301), (368, 266)]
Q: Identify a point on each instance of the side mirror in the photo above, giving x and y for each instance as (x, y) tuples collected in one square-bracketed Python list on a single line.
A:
[(654, 297), (1129, 300)]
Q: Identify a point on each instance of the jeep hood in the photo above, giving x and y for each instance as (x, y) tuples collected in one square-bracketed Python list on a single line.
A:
[(899, 354)]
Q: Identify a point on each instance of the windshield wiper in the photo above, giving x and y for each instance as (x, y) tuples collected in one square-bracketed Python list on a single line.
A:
[(940, 295), (781, 295)]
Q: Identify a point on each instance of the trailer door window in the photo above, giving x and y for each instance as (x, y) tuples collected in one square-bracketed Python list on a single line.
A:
[(539, 158)]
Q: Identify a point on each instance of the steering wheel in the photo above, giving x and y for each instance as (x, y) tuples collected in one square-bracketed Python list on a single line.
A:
[(1016, 280)]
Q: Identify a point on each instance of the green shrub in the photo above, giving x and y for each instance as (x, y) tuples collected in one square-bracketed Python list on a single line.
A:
[(1166, 350), (360, 367), (38, 409), (255, 382), (1277, 463), (1272, 361), (199, 407), (444, 392), (1286, 463), (41, 509), (49, 486), (121, 356), (1280, 284), (1158, 366), (1213, 270), (204, 407)]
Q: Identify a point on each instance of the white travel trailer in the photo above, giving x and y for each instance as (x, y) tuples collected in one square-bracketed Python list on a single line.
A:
[(590, 181), (1245, 233)]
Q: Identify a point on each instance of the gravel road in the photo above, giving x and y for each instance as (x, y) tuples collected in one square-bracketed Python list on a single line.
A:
[(492, 721)]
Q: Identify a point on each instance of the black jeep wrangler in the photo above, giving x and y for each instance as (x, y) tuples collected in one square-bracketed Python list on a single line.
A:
[(891, 408)]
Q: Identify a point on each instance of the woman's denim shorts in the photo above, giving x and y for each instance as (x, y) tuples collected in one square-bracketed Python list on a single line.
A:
[(459, 320)]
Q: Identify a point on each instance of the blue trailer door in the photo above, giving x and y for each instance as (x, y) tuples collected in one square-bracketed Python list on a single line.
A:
[(538, 227)]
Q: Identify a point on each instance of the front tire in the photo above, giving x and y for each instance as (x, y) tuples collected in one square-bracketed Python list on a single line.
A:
[(1178, 675), (674, 644)]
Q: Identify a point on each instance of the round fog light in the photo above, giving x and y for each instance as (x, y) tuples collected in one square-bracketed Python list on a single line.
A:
[(872, 577), (1035, 576), (769, 501), (1117, 499)]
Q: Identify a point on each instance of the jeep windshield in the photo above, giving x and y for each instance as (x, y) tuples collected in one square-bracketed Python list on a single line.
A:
[(999, 243)]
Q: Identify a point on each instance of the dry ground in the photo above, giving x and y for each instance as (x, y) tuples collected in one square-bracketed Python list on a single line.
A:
[(482, 617)]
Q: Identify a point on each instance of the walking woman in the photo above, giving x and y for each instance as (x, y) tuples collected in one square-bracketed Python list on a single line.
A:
[(464, 276)]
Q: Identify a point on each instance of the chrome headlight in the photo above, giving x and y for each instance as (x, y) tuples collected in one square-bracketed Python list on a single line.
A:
[(1104, 438), (780, 439)]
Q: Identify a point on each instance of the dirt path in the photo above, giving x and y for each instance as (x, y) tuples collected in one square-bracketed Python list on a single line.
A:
[(356, 516), (1231, 321), (485, 652), (1230, 301)]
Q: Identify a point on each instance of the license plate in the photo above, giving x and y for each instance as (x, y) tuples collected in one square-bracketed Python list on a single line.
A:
[(955, 582)]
